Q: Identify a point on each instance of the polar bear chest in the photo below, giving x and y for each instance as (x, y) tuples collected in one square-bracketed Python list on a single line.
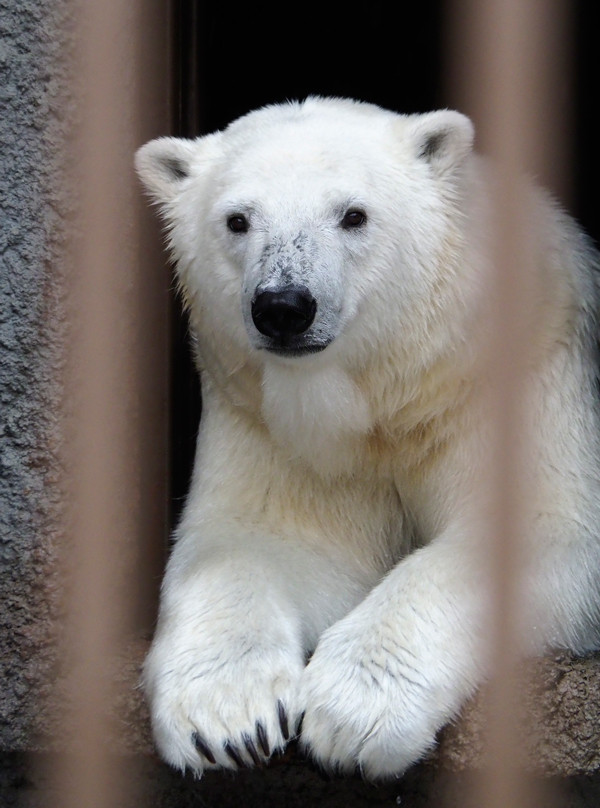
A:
[(319, 416)]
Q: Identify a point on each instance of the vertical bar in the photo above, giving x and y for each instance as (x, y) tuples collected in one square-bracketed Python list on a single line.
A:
[(103, 443), (508, 58), (116, 383)]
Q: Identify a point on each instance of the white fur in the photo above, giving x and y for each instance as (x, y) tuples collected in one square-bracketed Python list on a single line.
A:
[(334, 508)]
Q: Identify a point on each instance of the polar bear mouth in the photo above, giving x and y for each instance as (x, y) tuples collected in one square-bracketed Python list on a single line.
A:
[(296, 350)]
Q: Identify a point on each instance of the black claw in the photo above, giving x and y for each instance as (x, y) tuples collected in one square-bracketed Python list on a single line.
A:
[(299, 726), (233, 753), (263, 741), (203, 747), (249, 744), (283, 721)]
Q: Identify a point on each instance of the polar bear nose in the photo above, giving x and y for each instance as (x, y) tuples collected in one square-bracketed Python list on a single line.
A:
[(285, 313)]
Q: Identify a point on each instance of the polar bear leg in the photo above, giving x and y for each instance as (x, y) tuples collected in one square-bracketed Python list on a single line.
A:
[(231, 644)]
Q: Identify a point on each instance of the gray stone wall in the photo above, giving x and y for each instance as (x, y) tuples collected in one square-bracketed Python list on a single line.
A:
[(42, 115), (34, 125)]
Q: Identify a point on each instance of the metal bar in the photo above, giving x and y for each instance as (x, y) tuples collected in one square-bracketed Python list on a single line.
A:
[(507, 58), (116, 383)]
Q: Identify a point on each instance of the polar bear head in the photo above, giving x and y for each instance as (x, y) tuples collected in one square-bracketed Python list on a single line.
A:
[(312, 228)]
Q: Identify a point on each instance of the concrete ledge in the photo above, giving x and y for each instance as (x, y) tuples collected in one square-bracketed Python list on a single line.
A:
[(562, 699), (561, 722)]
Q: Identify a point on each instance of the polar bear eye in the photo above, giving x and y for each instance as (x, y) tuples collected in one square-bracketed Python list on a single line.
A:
[(353, 218), (238, 223)]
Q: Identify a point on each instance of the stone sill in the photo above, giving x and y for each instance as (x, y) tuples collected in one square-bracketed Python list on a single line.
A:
[(560, 704), (561, 718)]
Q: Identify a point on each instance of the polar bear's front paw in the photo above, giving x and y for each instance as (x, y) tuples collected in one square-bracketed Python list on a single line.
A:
[(368, 705), (230, 709)]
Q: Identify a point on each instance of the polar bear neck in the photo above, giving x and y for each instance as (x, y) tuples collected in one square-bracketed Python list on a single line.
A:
[(320, 417), (339, 420)]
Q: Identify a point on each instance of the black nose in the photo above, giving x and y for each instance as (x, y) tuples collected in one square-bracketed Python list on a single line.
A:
[(285, 313)]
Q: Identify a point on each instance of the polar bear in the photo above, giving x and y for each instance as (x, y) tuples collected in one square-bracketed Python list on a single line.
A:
[(328, 568)]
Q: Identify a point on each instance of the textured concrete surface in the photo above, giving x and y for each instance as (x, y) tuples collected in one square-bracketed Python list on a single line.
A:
[(285, 785), (39, 120), (33, 127), (560, 696), (560, 723), (559, 726)]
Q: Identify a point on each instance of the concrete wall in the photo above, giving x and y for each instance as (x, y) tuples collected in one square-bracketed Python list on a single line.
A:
[(40, 123), (34, 126)]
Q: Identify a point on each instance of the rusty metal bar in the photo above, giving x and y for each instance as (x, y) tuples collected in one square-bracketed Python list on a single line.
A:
[(116, 388), (507, 59)]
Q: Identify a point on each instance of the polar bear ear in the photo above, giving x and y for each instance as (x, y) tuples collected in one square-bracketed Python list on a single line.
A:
[(443, 139), (163, 164)]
